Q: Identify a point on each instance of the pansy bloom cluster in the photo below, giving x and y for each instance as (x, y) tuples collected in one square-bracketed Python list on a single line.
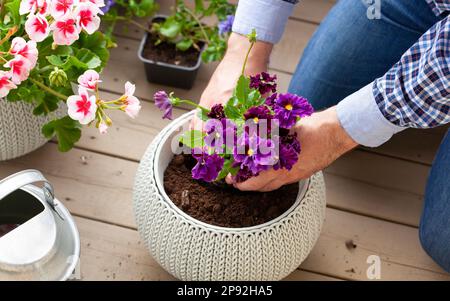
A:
[(251, 133)]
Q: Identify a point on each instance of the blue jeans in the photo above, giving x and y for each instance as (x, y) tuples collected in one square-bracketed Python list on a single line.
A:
[(347, 52)]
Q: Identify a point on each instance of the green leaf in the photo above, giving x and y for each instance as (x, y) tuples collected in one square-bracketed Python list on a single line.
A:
[(45, 104), (89, 58), (96, 43), (66, 130), (203, 115), (146, 8), (170, 28), (242, 89), (13, 8), (199, 6), (254, 99), (55, 60), (193, 138), (226, 169), (232, 111), (184, 44)]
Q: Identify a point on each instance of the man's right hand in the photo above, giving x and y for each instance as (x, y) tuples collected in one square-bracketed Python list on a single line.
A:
[(224, 79)]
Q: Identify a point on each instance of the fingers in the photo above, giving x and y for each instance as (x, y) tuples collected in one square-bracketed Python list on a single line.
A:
[(260, 182)]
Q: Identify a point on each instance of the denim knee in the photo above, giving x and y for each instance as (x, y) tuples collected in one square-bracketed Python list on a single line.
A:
[(434, 245)]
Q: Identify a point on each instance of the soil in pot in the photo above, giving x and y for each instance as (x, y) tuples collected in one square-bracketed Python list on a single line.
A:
[(223, 205), (168, 53)]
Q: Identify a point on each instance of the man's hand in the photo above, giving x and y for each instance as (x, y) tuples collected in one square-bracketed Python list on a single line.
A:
[(322, 139), (224, 79)]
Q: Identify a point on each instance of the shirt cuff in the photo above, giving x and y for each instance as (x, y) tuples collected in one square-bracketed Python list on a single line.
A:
[(361, 118), (267, 17)]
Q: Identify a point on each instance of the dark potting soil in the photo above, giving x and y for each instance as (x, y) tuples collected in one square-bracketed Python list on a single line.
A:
[(168, 53), (6, 228), (223, 205)]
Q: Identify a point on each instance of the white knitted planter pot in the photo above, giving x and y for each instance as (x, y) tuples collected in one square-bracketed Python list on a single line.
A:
[(192, 250), (20, 130)]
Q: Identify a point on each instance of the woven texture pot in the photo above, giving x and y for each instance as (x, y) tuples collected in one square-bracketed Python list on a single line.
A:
[(192, 250), (20, 130)]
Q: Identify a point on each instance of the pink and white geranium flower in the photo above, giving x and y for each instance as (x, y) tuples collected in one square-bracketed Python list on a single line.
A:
[(59, 8), (37, 27), (89, 79), (87, 16), (82, 107), (27, 50), (19, 69), (33, 6), (65, 30), (132, 104), (103, 128), (5, 83), (99, 3)]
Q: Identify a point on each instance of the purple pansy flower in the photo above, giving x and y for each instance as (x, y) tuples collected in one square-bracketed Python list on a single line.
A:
[(289, 149), (270, 101), (208, 166), (254, 152), (258, 113), (264, 82), (219, 132), (289, 107), (261, 116), (243, 174), (226, 25), (162, 101), (108, 5), (217, 112)]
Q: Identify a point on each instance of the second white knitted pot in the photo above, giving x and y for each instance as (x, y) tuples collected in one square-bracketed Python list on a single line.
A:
[(20, 130)]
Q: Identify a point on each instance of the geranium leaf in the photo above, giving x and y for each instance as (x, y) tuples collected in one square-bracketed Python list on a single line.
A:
[(66, 130), (45, 104), (89, 58)]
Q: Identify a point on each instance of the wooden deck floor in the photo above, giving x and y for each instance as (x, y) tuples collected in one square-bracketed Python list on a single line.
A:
[(374, 196)]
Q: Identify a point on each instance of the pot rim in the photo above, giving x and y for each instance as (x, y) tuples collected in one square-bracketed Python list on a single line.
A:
[(173, 66), (169, 130)]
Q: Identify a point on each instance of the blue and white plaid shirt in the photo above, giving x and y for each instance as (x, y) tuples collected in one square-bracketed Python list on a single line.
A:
[(415, 92)]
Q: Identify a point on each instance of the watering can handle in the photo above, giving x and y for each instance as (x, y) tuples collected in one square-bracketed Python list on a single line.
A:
[(16, 181)]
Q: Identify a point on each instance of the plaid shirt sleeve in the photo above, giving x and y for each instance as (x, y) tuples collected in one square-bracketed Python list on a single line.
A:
[(416, 91)]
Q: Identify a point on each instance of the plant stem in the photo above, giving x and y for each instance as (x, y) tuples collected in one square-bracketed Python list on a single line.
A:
[(199, 23), (189, 102), (137, 24), (8, 35), (48, 89), (246, 57), (46, 68)]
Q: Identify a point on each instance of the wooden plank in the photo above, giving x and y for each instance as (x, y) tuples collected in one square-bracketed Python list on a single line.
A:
[(382, 171), (110, 252), (398, 248)]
